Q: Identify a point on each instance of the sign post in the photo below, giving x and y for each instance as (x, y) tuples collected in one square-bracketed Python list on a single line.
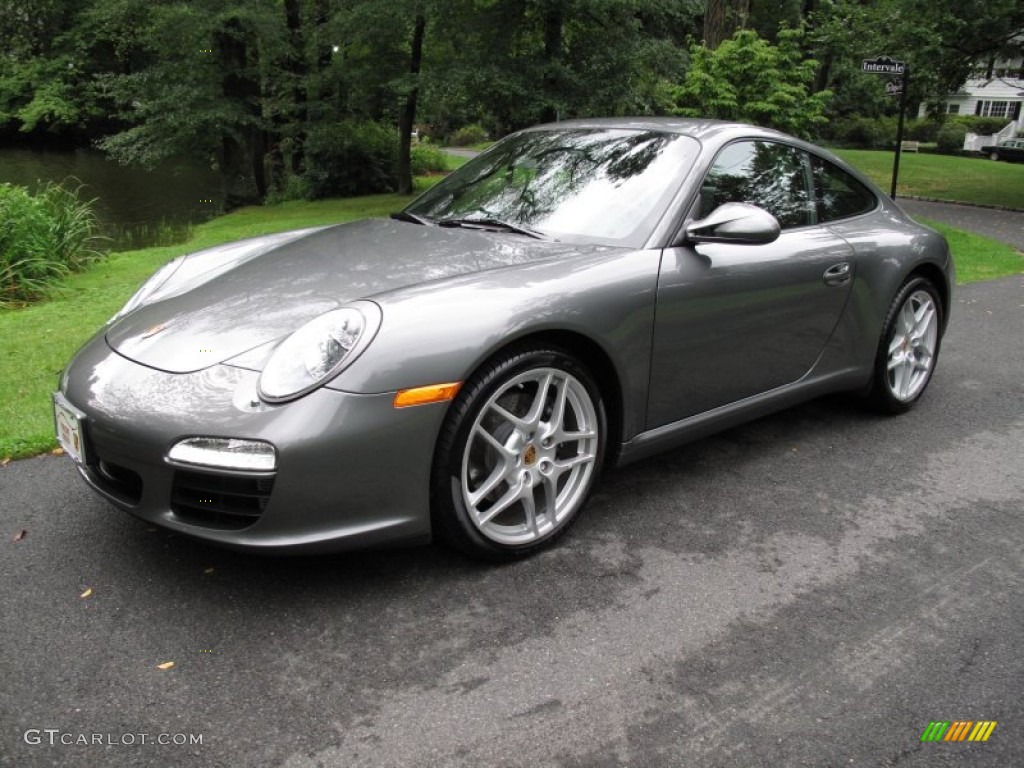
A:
[(886, 65)]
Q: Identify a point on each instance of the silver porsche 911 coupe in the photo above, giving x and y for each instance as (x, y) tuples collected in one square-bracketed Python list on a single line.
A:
[(580, 295)]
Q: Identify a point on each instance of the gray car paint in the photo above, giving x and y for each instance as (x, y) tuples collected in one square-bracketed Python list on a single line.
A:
[(450, 300), (262, 299), (756, 317), (338, 453)]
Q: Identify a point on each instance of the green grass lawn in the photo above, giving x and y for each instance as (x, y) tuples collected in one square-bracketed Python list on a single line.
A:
[(454, 161), (943, 177), (978, 258), (37, 341)]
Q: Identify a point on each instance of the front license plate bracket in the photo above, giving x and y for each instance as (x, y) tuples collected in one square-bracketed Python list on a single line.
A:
[(68, 422)]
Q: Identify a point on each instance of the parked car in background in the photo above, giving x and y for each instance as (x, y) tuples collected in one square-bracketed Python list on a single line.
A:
[(1011, 150), (580, 295)]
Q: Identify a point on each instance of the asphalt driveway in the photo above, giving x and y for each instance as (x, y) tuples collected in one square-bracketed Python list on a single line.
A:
[(1005, 226), (811, 589)]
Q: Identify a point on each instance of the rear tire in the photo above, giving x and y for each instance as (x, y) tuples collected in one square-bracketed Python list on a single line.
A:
[(519, 453), (909, 347)]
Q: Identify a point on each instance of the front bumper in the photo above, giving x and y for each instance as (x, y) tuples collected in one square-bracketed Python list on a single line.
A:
[(352, 471)]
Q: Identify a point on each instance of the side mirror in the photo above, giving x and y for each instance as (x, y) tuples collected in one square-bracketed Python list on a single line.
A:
[(739, 223)]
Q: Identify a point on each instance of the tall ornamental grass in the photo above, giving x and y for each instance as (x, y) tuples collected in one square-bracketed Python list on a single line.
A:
[(43, 238)]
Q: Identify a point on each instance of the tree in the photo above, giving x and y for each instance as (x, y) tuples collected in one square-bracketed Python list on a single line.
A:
[(722, 18), (513, 63), (941, 40), (750, 80), (408, 115), (766, 16), (45, 77)]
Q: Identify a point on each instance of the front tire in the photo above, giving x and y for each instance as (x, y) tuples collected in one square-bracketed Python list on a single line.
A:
[(909, 347), (519, 453)]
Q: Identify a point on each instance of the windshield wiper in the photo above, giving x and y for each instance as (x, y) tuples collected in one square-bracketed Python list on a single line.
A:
[(410, 217), (488, 223)]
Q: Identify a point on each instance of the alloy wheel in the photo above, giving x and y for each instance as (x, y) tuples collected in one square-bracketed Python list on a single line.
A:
[(530, 456), (912, 347)]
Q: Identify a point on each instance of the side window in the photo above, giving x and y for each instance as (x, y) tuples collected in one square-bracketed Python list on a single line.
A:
[(839, 194), (763, 173)]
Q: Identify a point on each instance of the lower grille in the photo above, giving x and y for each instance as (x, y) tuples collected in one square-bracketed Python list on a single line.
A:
[(219, 501), (118, 481)]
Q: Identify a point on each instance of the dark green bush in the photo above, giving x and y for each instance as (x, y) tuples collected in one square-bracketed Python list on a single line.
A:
[(879, 132), (924, 129), (43, 237), (351, 158), (293, 188), (951, 138), (468, 134), (864, 132), (983, 126), (428, 159)]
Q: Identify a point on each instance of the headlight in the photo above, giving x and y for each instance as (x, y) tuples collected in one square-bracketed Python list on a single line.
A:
[(318, 351), (149, 287)]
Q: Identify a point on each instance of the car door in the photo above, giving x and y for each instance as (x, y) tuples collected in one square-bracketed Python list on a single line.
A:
[(735, 320)]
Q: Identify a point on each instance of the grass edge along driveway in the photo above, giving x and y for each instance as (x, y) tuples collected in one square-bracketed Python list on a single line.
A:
[(37, 341)]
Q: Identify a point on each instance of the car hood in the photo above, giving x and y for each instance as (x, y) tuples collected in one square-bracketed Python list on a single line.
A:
[(253, 299)]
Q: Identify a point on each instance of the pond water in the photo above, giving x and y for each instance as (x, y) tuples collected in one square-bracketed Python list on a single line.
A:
[(136, 208)]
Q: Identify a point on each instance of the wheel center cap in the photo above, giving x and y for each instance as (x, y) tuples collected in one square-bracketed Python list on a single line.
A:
[(530, 455)]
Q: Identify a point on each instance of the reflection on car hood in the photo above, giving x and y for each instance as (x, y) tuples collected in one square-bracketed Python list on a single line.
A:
[(271, 295)]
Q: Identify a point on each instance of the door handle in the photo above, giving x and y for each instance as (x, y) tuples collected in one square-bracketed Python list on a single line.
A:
[(837, 274)]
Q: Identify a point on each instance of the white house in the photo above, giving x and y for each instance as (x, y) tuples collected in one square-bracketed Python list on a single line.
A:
[(995, 90)]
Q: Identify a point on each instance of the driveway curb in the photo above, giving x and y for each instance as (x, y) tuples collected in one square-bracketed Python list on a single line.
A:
[(958, 202)]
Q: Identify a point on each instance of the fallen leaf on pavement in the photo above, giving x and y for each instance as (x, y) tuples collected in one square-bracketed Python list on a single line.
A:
[(165, 665), (20, 535), (57, 451), (5, 462), (209, 570), (87, 593)]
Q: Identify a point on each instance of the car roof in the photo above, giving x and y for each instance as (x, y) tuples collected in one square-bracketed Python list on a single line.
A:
[(712, 133), (698, 128)]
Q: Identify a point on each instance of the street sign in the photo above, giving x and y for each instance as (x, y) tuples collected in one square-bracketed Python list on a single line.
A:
[(897, 86), (883, 65)]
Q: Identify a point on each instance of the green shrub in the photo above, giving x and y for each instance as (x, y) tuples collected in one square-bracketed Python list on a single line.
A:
[(468, 134), (864, 132), (294, 188), (351, 158), (951, 138), (427, 159), (983, 126), (880, 132), (924, 129), (43, 237)]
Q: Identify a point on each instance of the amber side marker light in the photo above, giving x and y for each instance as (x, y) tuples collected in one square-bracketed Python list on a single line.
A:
[(435, 393)]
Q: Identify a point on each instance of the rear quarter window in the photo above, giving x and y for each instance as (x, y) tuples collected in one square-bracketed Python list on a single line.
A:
[(839, 195)]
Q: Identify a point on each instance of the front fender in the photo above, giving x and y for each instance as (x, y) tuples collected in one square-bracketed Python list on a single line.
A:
[(441, 332)]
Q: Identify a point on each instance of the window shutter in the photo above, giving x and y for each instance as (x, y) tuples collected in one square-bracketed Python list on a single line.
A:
[(1015, 110), (977, 108)]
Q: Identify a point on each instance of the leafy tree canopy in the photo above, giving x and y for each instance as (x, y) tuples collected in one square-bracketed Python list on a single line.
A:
[(252, 87), (748, 79)]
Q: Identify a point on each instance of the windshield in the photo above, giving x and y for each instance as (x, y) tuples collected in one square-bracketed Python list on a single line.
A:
[(580, 185)]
